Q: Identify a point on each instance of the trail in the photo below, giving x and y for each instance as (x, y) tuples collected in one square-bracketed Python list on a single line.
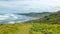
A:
[(25, 29)]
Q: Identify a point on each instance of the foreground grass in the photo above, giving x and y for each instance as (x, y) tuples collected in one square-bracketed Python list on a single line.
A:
[(45, 28), (15, 29), (28, 28)]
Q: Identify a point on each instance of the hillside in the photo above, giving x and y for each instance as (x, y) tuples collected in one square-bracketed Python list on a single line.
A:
[(47, 25), (53, 18)]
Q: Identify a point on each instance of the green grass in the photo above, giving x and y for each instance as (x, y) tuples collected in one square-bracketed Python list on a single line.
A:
[(15, 28), (45, 28), (28, 28)]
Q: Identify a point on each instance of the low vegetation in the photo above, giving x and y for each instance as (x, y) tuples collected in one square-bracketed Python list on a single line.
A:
[(28, 28)]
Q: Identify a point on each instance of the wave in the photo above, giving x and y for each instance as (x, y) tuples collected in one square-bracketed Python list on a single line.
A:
[(13, 18)]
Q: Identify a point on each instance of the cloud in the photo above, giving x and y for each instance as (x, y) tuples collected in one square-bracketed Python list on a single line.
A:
[(28, 5)]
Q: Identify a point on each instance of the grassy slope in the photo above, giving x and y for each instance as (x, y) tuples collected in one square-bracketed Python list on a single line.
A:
[(15, 29), (45, 29), (28, 28)]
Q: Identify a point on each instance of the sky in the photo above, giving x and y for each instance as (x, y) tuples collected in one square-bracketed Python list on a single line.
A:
[(26, 6)]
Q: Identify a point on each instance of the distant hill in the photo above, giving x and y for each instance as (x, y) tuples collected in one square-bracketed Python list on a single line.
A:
[(32, 14)]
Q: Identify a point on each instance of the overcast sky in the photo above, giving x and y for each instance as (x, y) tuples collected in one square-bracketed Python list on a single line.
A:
[(25, 6)]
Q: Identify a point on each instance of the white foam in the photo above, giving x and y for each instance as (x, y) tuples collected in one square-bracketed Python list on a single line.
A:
[(12, 15), (12, 22), (2, 17)]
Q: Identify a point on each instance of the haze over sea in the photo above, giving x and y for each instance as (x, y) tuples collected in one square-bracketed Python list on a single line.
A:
[(8, 7)]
